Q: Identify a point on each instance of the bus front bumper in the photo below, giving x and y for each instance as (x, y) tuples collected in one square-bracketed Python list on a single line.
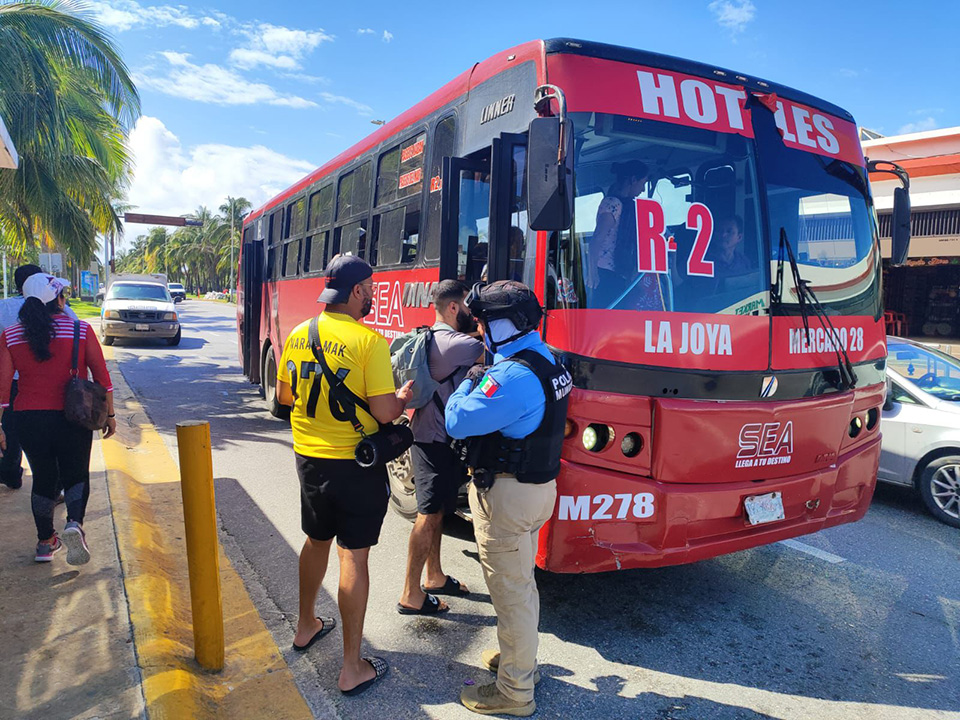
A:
[(606, 520)]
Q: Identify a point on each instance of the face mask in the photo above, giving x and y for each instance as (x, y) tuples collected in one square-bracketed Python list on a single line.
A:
[(466, 323)]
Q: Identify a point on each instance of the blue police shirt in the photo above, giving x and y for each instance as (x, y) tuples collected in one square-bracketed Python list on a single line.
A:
[(509, 398)]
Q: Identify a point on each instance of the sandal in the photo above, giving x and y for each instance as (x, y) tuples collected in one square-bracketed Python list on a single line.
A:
[(431, 606), (451, 587), (328, 625), (380, 667)]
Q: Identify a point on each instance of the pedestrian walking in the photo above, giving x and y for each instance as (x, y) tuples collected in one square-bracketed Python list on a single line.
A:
[(437, 471), (11, 470), (512, 417), (40, 347), (335, 372)]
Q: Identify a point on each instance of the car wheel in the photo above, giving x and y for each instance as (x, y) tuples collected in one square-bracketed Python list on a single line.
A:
[(107, 339), (270, 388), (940, 489), (175, 340), (403, 496)]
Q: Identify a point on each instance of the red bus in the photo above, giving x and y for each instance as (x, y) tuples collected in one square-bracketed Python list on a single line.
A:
[(721, 313)]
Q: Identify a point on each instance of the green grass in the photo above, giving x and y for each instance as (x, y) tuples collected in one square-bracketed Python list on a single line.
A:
[(84, 310)]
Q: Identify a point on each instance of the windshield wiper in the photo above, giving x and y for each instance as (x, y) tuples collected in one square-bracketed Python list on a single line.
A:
[(806, 298)]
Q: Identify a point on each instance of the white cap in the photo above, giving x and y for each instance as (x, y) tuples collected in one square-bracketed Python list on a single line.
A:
[(44, 287)]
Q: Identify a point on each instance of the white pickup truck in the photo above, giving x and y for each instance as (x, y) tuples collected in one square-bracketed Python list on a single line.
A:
[(139, 306)]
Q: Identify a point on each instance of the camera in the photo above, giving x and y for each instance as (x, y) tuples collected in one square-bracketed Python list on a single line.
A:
[(389, 443)]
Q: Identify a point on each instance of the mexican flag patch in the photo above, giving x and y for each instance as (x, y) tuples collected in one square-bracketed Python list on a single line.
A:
[(489, 386)]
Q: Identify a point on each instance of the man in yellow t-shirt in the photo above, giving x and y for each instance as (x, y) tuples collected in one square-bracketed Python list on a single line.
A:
[(339, 498)]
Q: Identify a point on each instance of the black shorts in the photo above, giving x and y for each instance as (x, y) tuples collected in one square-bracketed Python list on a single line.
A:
[(437, 476), (338, 498)]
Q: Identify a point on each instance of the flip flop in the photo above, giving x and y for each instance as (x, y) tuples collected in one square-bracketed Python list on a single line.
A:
[(431, 606), (451, 587), (328, 625), (379, 666)]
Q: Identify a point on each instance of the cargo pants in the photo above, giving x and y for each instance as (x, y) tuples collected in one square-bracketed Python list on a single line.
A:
[(506, 520)]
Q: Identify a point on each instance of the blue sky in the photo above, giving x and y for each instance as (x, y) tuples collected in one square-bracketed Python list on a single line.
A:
[(245, 97)]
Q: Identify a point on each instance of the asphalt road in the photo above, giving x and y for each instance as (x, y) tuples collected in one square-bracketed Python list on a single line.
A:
[(860, 621)]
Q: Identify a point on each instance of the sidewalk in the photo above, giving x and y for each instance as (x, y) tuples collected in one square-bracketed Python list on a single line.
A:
[(67, 643), (113, 639)]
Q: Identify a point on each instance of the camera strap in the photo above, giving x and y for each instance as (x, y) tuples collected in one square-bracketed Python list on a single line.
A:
[(341, 394)]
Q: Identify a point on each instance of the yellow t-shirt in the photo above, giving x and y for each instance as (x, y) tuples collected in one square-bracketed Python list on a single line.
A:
[(347, 346)]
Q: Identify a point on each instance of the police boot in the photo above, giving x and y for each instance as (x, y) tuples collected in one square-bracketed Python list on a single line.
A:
[(488, 700), (491, 661)]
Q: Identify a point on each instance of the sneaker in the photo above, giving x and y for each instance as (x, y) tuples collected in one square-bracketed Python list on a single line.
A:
[(488, 700), (491, 661), (46, 550), (76, 541)]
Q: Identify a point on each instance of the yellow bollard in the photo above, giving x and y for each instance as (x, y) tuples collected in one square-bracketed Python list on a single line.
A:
[(203, 547)]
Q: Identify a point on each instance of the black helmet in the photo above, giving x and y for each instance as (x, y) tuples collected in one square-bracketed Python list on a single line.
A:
[(505, 299)]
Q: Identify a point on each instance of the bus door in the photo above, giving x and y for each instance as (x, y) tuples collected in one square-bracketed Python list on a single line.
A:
[(484, 213), (466, 217), (251, 272)]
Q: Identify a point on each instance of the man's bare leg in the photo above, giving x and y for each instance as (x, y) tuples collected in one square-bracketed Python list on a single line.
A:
[(424, 542), (352, 597), (313, 566)]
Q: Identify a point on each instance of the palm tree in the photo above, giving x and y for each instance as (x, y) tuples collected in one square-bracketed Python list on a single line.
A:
[(69, 102)]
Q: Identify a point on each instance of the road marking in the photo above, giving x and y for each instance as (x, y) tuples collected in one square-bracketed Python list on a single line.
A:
[(811, 550)]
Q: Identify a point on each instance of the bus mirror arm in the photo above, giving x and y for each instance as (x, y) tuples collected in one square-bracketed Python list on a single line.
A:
[(900, 227), (550, 188)]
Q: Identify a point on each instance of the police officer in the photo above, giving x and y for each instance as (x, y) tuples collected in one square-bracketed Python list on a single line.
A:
[(512, 417)]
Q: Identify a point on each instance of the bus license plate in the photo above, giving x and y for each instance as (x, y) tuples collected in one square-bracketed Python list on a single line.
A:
[(142, 326), (764, 508)]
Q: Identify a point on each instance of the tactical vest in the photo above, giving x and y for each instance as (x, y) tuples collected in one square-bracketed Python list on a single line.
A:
[(535, 458)]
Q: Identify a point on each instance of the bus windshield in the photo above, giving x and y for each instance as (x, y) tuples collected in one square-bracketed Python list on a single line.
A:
[(669, 217)]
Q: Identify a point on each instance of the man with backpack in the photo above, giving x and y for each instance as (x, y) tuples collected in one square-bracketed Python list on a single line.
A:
[(447, 351)]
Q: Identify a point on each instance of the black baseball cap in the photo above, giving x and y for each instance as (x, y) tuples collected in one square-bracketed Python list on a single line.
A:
[(343, 272), (21, 274)]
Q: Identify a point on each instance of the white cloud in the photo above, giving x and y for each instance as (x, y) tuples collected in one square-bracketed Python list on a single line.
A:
[(387, 36), (211, 83), (172, 180), (349, 102), (733, 14), (277, 46), (122, 15), (848, 73), (366, 31), (927, 123)]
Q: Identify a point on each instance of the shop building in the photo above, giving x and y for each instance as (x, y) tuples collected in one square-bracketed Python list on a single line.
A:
[(923, 297)]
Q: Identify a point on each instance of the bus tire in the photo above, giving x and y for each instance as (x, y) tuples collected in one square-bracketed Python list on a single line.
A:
[(403, 497), (940, 477), (270, 387)]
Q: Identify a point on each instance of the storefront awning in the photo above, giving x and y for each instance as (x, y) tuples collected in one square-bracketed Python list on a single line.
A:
[(8, 153)]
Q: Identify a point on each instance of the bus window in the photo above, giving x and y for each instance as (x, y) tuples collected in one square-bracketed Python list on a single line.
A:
[(321, 208), (444, 138), (353, 195), (315, 252), (387, 177), (351, 239), (386, 244), (291, 258), (296, 212), (411, 237)]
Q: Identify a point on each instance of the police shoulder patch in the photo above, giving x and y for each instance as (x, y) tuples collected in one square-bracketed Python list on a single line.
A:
[(489, 386)]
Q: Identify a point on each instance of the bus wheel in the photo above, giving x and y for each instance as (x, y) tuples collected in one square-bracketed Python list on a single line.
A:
[(270, 388), (403, 498)]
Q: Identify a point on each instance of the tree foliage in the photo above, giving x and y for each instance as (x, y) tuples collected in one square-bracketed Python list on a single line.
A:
[(199, 257), (68, 102)]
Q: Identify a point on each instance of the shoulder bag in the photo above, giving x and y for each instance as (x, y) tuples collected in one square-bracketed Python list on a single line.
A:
[(85, 401)]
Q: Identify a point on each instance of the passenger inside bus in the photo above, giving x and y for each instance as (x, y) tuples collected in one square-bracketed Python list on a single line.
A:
[(613, 249)]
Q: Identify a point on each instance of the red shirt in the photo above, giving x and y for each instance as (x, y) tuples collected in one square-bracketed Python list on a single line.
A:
[(42, 384)]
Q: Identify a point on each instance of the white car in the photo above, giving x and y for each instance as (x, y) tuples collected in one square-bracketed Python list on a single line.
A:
[(921, 426), (139, 308)]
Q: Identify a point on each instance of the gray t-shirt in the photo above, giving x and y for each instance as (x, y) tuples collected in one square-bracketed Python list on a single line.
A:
[(451, 352)]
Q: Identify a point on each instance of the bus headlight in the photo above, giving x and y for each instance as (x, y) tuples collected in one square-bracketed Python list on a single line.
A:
[(595, 437), (856, 425), (631, 445)]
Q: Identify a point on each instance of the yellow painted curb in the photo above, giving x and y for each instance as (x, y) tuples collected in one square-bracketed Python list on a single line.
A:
[(144, 486)]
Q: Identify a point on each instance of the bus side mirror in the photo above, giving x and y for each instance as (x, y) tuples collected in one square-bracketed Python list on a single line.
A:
[(900, 232), (550, 174)]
